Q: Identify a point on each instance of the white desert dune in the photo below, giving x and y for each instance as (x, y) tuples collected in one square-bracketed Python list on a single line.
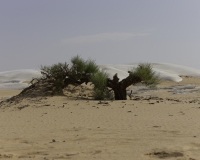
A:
[(14, 79), (161, 123)]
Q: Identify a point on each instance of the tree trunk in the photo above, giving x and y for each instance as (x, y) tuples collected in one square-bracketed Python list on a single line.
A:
[(119, 88), (120, 94)]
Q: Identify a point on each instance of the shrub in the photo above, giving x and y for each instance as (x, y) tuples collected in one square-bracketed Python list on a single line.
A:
[(105, 94), (91, 67), (57, 74), (99, 79), (80, 67), (101, 92), (146, 73), (55, 70)]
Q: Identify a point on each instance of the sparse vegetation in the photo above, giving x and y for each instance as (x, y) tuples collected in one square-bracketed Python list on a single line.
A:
[(147, 75), (63, 74), (99, 79), (58, 76)]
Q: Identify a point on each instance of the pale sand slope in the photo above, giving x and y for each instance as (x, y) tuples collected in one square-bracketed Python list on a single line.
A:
[(165, 126)]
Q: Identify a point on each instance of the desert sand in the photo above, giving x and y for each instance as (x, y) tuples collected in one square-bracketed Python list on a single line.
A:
[(163, 123)]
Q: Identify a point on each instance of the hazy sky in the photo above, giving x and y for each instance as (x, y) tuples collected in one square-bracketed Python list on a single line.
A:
[(44, 32)]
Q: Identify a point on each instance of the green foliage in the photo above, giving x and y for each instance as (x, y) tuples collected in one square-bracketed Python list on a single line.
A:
[(78, 69), (101, 92), (57, 73), (81, 67), (82, 70), (78, 64), (146, 73), (99, 79), (55, 70), (91, 67)]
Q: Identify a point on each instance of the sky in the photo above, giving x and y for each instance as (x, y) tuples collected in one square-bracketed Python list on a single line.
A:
[(45, 32)]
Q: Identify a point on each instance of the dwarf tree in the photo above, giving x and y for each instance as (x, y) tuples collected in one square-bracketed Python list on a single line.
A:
[(58, 76), (81, 71), (142, 74)]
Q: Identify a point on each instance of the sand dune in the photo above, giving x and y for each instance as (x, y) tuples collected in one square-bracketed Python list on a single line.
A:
[(152, 124), (14, 79)]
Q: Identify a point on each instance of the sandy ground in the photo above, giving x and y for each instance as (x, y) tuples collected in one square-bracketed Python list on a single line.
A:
[(154, 124)]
